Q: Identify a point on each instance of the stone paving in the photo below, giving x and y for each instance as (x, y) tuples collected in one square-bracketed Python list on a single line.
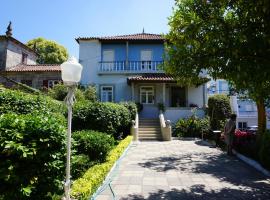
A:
[(185, 169)]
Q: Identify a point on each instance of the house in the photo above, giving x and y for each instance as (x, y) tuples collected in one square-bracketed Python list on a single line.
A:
[(128, 68), (245, 109), (18, 62)]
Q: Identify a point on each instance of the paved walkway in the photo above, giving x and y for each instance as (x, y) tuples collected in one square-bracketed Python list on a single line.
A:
[(185, 170)]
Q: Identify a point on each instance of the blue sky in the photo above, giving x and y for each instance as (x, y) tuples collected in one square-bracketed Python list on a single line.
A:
[(64, 20)]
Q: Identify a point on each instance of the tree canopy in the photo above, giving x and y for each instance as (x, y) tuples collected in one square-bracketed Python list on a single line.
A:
[(230, 39), (49, 52)]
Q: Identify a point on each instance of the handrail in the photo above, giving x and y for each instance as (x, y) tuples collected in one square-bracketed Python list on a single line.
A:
[(135, 128), (166, 129)]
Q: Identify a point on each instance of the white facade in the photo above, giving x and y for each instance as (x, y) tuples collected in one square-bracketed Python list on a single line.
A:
[(110, 79)]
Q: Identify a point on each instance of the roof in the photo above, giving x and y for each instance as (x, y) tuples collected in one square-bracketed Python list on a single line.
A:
[(132, 37), (17, 42), (157, 77), (35, 68)]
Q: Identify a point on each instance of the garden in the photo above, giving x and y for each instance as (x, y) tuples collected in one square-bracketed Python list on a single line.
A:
[(33, 142), (218, 111)]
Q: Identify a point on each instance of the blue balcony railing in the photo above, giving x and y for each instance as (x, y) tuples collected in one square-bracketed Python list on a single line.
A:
[(131, 66)]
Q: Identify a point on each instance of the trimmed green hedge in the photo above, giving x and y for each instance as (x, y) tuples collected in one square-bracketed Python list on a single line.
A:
[(219, 110), (264, 152), (85, 186), (191, 127), (32, 154), (22, 103), (94, 144), (106, 117)]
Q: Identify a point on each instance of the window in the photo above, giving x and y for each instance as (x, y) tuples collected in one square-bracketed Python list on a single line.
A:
[(146, 57), (107, 93), (24, 58), (52, 83), (147, 94), (27, 82), (242, 125)]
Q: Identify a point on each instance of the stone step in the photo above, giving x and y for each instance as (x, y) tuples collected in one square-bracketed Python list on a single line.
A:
[(149, 132), (147, 128), (148, 123)]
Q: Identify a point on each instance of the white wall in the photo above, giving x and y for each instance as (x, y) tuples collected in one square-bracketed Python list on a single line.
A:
[(195, 95), (174, 114)]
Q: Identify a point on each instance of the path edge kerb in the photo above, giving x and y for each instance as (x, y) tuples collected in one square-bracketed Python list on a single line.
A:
[(109, 178)]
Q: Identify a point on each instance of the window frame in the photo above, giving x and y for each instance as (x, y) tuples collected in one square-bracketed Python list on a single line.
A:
[(146, 64), (101, 93), (242, 125), (147, 95)]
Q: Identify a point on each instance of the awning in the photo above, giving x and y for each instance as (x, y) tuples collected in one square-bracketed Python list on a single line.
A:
[(151, 78)]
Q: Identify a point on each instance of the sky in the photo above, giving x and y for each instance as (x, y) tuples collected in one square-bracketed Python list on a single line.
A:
[(65, 20)]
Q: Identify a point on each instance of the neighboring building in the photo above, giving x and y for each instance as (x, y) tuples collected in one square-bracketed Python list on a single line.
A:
[(127, 68), (245, 109), (18, 62)]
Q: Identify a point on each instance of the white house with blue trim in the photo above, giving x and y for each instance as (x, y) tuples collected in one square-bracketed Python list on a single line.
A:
[(127, 68)]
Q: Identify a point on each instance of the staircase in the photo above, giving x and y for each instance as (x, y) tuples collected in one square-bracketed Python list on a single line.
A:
[(149, 129)]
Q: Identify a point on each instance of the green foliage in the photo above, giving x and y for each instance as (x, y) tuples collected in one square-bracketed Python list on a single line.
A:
[(49, 52), (85, 186), (32, 149), (229, 39), (107, 117), (59, 92), (79, 164), (264, 151), (139, 106), (219, 110), (22, 103), (90, 93), (94, 144), (161, 107), (191, 127), (131, 106)]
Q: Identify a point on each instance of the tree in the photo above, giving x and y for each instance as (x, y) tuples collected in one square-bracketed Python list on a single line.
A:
[(49, 52), (230, 39)]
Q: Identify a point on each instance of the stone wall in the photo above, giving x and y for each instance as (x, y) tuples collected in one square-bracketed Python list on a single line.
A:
[(37, 78), (14, 55), (3, 44)]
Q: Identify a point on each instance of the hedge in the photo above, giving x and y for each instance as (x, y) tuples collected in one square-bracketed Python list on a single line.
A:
[(106, 117), (95, 145), (264, 152), (219, 110), (22, 103), (59, 92), (85, 186), (32, 150)]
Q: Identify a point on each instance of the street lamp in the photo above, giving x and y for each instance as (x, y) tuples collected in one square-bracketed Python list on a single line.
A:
[(71, 74)]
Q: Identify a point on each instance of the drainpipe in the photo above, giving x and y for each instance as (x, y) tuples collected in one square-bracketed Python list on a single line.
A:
[(204, 96)]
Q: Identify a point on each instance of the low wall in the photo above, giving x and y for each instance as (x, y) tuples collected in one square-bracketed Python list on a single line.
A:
[(173, 114)]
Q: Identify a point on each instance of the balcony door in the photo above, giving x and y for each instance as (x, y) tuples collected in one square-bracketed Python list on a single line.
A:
[(146, 58), (108, 60)]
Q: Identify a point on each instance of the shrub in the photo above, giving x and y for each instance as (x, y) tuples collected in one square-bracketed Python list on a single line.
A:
[(107, 117), (32, 149), (139, 106), (59, 92), (132, 107), (85, 186), (79, 164), (191, 127), (90, 93), (161, 107), (264, 151), (94, 144), (22, 103), (219, 110)]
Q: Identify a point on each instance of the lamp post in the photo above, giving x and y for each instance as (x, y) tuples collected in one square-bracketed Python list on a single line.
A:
[(71, 74)]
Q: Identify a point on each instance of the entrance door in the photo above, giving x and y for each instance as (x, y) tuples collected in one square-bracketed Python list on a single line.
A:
[(178, 97)]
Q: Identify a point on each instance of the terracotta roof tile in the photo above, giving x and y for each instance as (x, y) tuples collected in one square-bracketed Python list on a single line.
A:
[(158, 77), (35, 68), (139, 36)]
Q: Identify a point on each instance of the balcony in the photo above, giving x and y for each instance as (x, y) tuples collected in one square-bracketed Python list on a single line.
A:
[(130, 67)]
